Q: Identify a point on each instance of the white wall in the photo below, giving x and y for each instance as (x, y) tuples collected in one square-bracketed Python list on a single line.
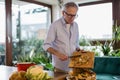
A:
[(56, 12)]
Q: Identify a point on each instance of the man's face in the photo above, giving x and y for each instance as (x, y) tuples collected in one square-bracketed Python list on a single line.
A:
[(70, 14)]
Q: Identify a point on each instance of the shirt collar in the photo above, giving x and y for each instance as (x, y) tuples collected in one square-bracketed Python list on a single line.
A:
[(63, 21)]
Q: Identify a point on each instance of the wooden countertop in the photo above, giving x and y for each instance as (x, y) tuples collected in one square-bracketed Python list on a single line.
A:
[(6, 71)]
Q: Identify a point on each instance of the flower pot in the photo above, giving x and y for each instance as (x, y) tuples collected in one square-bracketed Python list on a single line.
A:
[(23, 66)]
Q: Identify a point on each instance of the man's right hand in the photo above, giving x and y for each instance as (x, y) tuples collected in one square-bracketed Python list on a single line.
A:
[(58, 54), (62, 56)]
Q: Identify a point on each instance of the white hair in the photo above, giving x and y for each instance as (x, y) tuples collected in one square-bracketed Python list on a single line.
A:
[(69, 4)]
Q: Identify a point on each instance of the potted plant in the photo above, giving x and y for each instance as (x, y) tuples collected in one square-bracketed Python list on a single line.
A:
[(24, 62), (35, 59), (116, 36), (32, 52)]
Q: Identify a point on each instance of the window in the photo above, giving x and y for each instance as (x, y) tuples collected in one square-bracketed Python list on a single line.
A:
[(95, 21), (30, 23)]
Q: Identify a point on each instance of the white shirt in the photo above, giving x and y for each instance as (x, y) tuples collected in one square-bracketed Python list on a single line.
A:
[(63, 39)]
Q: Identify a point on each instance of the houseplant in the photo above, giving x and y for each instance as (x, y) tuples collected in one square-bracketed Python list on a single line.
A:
[(36, 59), (32, 52), (116, 36)]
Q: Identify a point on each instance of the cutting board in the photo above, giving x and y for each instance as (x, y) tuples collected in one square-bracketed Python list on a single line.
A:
[(82, 60)]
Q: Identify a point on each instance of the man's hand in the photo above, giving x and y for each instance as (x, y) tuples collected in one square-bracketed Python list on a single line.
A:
[(58, 54), (62, 56)]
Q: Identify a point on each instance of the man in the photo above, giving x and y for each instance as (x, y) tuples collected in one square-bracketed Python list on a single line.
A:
[(63, 37)]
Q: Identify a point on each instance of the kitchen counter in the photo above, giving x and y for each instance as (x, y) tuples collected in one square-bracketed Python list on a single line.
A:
[(6, 71)]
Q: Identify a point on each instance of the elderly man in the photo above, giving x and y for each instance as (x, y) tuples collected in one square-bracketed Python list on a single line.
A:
[(63, 37)]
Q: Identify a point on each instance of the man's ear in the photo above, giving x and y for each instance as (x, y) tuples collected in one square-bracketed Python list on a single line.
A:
[(63, 13)]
